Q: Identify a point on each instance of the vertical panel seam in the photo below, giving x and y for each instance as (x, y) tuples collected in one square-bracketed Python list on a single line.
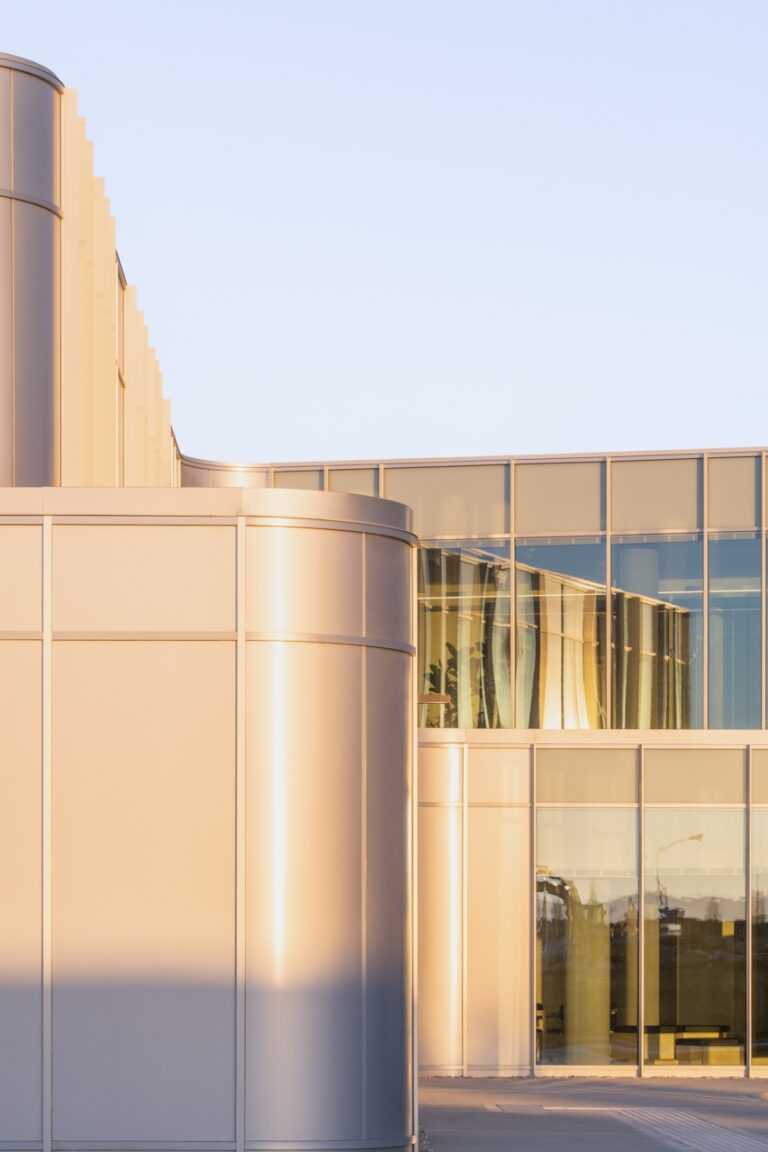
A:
[(532, 911), (240, 861), (749, 918), (705, 590), (464, 905), (512, 597), (47, 842), (762, 592), (609, 661), (363, 834), (413, 816), (641, 910)]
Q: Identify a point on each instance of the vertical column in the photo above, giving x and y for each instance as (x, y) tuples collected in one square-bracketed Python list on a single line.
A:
[(705, 590), (641, 909), (609, 718), (29, 274), (749, 919)]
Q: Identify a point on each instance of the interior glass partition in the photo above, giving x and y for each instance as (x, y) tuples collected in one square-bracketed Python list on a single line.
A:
[(586, 936), (657, 621), (464, 634), (560, 632), (734, 630), (695, 936)]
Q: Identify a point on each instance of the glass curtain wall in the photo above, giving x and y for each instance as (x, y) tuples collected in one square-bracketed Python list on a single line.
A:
[(657, 608), (760, 936), (734, 630), (695, 936), (560, 633), (586, 936), (464, 634), (567, 633)]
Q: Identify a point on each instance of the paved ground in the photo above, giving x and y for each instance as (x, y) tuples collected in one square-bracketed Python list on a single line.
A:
[(583, 1115)]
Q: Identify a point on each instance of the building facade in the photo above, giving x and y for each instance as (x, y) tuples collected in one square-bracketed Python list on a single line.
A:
[(591, 662), (576, 647)]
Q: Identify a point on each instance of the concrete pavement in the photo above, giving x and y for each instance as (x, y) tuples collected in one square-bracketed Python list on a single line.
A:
[(548, 1115)]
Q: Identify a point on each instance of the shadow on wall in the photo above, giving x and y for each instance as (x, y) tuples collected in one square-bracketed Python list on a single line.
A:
[(143, 1062)]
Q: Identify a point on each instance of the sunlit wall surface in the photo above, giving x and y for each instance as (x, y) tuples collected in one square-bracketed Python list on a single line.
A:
[(81, 398), (206, 841)]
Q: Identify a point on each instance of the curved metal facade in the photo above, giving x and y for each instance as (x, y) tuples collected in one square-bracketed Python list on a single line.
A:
[(207, 803), (30, 240)]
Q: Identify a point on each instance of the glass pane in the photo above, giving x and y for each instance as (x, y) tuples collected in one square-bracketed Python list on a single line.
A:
[(657, 609), (760, 936), (695, 936), (560, 633), (734, 631), (587, 936), (464, 635)]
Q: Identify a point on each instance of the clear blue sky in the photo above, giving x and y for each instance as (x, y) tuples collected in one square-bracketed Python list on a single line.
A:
[(421, 227)]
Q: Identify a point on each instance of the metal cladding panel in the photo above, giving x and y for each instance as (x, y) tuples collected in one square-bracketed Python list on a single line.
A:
[(586, 776), (734, 492), (193, 476), (759, 775), (559, 497), (440, 775), (387, 589), (499, 776), (388, 991), (21, 993), (21, 586), (498, 928), (143, 806), (6, 135), (35, 138), (122, 578), (6, 343), (656, 495), (440, 937), (695, 776), (361, 481), (36, 350), (305, 580), (304, 969), (460, 499)]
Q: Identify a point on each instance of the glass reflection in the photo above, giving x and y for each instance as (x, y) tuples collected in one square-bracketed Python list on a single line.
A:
[(560, 633), (464, 635), (760, 936), (695, 936), (657, 609), (586, 936), (734, 630)]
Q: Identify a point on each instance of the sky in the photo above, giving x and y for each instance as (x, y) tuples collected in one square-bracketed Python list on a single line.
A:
[(402, 228)]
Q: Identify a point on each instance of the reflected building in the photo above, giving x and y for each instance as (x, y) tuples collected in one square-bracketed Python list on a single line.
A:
[(574, 647)]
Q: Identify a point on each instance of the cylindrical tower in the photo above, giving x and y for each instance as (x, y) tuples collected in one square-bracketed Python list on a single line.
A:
[(30, 180), (328, 1054)]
